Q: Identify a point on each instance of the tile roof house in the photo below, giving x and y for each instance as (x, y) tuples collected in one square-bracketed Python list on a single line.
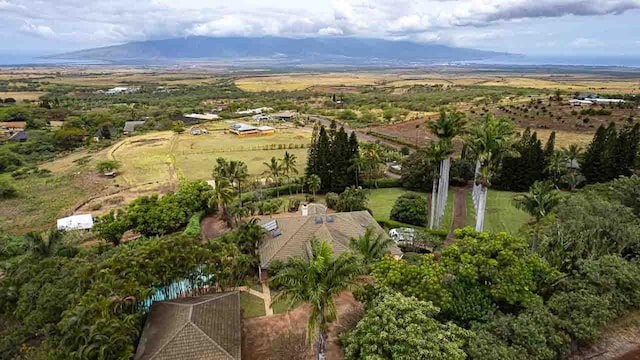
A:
[(130, 126), (291, 236), (193, 328)]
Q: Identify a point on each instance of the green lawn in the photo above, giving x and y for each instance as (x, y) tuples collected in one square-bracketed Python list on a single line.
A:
[(500, 214), (381, 201), (280, 307), (252, 306)]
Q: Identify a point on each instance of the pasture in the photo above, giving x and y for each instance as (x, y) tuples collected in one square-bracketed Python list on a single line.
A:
[(304, 81), (501, 214), (22, 96)]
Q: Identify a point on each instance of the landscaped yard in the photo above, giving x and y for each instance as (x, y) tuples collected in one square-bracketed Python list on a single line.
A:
[(381, 201), (500, 214)]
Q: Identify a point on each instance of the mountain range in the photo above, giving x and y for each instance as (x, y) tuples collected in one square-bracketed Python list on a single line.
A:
[(280, 50)]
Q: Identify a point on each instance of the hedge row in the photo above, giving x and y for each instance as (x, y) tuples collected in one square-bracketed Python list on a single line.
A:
[(193, 227)]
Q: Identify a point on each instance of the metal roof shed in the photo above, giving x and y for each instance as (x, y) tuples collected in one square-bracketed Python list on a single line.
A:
[(75, 222)]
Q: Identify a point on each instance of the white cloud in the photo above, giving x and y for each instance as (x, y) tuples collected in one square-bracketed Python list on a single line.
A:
[(330, 31), (586, 43), (37, 30)]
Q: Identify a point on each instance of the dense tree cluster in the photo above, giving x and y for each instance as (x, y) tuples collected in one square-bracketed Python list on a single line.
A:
[(611, 154), (333, 158), (411, 209), (518, 173)]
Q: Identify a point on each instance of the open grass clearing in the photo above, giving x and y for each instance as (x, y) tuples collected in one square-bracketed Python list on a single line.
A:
[(40, 201), (500, 213), (303, 81), (22, 96), (381, 202)]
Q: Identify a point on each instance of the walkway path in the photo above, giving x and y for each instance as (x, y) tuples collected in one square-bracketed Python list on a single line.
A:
[(265, 295)]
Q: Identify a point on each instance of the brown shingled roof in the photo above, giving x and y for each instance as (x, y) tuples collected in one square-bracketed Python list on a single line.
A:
[(202, 327), (297, 232)]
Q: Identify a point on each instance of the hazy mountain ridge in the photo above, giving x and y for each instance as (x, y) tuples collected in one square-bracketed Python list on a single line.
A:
[(339, 50)]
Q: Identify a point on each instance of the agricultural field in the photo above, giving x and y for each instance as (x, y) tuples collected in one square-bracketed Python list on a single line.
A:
[(22, 96), (501, 214), (304, 81)]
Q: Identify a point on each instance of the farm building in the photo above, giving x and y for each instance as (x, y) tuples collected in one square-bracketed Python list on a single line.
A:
[(261, 117), (105, 132), (603, 101), (585, 96), (13, 125), (577, 102), (20, 136), (242, 129), (191, 328), (259, 110), (122, 89), (291, 236), (130, 126), (75, 222), (285, 115), (205, 117), (198, 131)]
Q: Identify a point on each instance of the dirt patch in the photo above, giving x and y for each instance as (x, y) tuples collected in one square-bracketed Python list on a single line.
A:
[(259, 334), (212, 227), (621, 341)]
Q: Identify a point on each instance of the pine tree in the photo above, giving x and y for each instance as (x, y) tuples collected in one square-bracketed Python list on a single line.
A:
[(519, 173), (591, 166), (550, 146), (312, 153), (608, 161), (323, 160), (341, 162)]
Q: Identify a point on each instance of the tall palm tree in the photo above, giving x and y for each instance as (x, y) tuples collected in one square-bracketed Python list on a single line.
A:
[(313, 182), (446, 128), (357, 164), (222, 196), (289, 162), (238, 173), (490, 140), (274, 168), (556, 165), (318, 281), (436, 152), (371, 246), (43, 244), (541, 199)]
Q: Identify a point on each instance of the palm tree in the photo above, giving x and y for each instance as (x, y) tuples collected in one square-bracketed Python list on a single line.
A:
[(371, 246), (446, 128), (274, 168), (357, 164), (289, 162), (573, 180), (318, 281), (371, 155), (557, 163), (573, 154), (490, 140), (43, 244), (238, 173), (313, 182), (538, 202), (436, 153), (222, 196)]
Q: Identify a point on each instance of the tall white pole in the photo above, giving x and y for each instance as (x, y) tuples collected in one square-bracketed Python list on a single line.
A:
[(434, 192)]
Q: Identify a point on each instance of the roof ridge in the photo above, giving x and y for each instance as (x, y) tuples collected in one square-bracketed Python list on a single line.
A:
[(288, 240), (211, 340), (169, 340)]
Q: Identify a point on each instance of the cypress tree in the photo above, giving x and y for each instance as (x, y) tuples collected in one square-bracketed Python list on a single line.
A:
[(608, 161), (341, 162), (312, 153), (519, 173), (591, 166), (323, 160), (550, 146)]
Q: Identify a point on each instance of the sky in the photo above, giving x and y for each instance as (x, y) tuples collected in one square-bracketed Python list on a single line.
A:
[(531, 27)]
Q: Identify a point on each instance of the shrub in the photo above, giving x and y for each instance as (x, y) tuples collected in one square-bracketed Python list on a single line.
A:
[(294, 204), (332, 200), (410, 209), (9, 161), (382, 183), (193, 227), (7, 190)]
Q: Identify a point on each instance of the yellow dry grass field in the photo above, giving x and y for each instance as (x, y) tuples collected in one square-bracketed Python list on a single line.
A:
[(22, 95), (303, 81), (145, 158), (565, 138)]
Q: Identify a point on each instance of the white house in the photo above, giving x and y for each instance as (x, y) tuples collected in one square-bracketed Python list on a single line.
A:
[(577, 102), (206, 116), (259, 110), (76, 222), (603, 101), (122, 89)]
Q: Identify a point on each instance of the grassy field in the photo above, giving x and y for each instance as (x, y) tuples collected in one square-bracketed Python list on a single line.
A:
[(500, 215), (22, 95), (40, 201), (303, 81), (145, 158), (381, 202)]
